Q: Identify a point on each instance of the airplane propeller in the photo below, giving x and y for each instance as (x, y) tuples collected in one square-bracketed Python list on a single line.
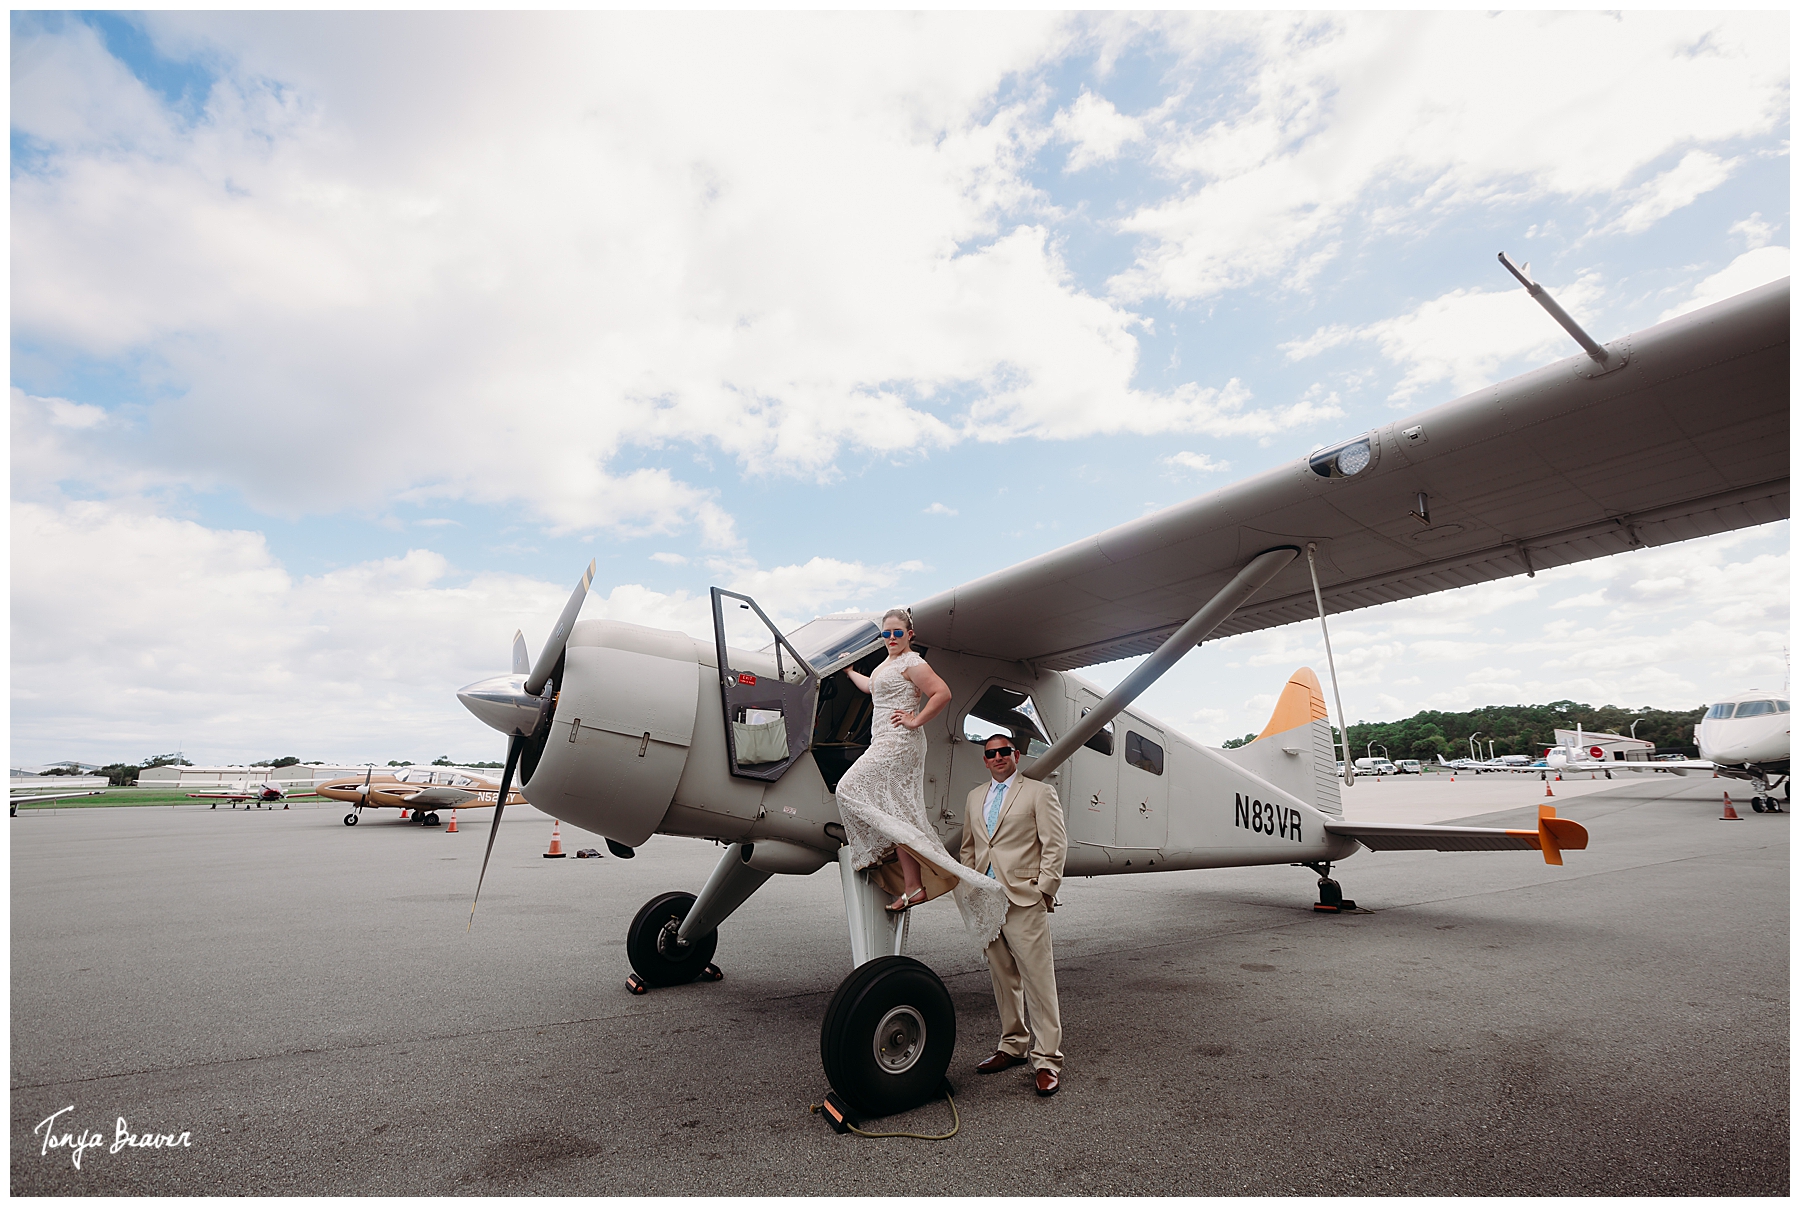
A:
[(518, 703)]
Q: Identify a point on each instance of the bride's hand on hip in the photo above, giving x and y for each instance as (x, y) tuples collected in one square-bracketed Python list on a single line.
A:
[(904, 720)]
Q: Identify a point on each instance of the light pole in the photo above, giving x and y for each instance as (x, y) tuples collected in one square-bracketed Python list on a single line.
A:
[(1490, 750), (1474, 750), (1634, 726)]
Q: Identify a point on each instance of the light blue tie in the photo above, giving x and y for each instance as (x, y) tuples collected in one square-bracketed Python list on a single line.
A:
[(995, 795)]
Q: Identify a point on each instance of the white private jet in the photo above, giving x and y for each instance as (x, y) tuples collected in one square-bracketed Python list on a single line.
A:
[(1744, 738), (1673, 432)]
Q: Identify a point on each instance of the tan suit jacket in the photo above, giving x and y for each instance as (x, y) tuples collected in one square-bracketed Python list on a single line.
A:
[(1029, 843)]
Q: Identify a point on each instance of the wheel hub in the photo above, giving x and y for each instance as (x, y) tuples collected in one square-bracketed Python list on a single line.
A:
[(899, 1040), (668, 941)]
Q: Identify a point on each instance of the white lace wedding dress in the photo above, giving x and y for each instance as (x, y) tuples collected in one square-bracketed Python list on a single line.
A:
[(881, 801)]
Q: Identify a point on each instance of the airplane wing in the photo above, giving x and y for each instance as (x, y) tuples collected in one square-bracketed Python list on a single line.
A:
[(220, 795), (27, 797), (1688, 437), (1678, 766)]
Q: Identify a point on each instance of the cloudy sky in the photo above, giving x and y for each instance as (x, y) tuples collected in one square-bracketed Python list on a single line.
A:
[(341, 342)]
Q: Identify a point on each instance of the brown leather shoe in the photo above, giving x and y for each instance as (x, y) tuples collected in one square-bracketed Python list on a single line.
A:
[(1047, 1082), (998, 1061)]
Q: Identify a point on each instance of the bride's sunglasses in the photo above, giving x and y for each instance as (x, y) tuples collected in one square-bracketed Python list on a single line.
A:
[(895, 634)]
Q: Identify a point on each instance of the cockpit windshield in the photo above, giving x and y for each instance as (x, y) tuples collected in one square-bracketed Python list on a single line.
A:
[(831, 643)]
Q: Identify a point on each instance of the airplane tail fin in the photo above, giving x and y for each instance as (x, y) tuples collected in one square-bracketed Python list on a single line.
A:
[(1295, 749)]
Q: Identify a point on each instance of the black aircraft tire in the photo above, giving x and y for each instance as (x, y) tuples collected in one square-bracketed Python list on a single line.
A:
[(1756, 803), (349, 819), (431, 819), (650, 958), (888, 1036)]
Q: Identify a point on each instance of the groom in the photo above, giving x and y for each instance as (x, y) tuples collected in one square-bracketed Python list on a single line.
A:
[(1013, 831)]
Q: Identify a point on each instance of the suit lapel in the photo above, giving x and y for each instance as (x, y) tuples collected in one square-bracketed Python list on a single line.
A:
[(1006, 806)]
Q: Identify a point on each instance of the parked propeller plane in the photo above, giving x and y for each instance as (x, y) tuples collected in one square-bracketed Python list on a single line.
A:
[(1673, 432), (423, 790), (265, 793)]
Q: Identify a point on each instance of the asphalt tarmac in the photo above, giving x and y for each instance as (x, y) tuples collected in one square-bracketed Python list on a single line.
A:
[(303, 1001)]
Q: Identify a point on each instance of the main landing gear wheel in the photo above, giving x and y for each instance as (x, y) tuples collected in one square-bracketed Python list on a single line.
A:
[(349, 819), (1756, 802), (431, 819), (888, 1036), (657, 954)]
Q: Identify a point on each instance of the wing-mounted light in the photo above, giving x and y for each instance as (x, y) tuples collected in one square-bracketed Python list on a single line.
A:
[(1348, 459)]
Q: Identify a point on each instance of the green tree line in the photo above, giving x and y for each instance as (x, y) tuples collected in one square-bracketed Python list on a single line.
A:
[(1515, 729)]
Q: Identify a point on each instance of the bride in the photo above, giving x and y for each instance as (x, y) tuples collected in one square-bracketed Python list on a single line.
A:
[(881, 799)]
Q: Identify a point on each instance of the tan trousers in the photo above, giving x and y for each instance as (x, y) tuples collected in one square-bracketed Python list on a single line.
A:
[(1024, 973)]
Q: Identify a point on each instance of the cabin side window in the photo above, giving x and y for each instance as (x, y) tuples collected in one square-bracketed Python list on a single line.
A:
[(1142, 753)]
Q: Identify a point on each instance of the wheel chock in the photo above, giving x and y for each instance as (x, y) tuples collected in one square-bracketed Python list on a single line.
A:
[(711, 973), (836, 1113), (636, 984)]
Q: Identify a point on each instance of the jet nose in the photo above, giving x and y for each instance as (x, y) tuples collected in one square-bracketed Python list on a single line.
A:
[(502, 703)]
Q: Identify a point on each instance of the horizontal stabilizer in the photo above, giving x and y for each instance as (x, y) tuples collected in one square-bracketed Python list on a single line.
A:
[(1553, 836)]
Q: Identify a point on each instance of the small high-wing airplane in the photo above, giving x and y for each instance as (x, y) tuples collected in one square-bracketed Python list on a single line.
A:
[(1670, 433), (265, 793), (423, 790)]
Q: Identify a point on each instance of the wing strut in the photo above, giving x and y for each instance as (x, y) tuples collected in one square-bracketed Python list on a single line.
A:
[(1217, 610), (1330, 662)]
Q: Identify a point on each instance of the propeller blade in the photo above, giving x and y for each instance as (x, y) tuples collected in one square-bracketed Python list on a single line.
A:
[(521, 658), (514, 747), (559, 636)]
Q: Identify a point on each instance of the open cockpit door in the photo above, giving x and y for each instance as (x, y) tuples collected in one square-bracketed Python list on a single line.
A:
[(768, 719)]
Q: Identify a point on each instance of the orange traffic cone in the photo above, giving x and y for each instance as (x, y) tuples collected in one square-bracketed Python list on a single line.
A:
[(1547, 791), (555, 851), (452, 828), (1730, 814), (1559, 777), (403, 814)]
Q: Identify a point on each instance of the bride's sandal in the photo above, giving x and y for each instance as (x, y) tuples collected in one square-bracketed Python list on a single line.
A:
[(905, 903)]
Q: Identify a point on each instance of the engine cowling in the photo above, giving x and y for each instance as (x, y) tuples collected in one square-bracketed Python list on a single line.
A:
[(621, 731)]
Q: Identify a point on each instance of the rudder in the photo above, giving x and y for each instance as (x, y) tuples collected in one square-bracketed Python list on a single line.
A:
[(1301, 724)]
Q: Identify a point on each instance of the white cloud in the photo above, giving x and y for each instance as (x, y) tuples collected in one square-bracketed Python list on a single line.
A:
[(1698, 172), (1749, 270), (669, 559), (1198, 462), (1395, 117), (1463, 337), (940, 509), (1755, 231), (523, 273), (217, 647), (1099, 131)]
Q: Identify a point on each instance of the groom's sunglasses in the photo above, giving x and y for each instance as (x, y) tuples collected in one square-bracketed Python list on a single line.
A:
[(896, 634), (998, 752)]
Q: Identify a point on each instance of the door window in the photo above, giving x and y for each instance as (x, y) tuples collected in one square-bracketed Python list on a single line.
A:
[(1009, 713), (1101, 741)]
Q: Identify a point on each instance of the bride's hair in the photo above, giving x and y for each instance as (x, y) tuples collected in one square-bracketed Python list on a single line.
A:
[(902, 613)]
